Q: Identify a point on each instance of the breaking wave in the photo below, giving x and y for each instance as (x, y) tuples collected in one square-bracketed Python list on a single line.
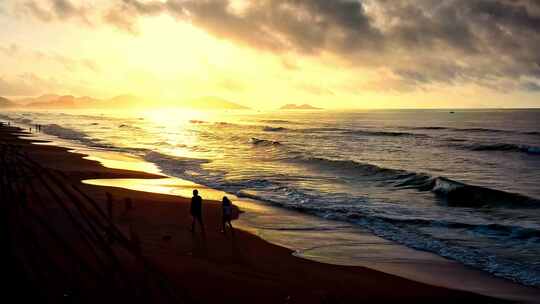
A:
[(384, 133), (173, 165), (452, 192), (477, 130), (263, 142), (504, 147), (65, 133), (274, 129), (275, 121)]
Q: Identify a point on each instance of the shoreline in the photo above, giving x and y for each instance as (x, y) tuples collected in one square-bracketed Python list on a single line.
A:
[(245, 260), (337, 243)]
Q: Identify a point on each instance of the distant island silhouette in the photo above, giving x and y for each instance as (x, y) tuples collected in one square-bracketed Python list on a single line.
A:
[(305, 106)]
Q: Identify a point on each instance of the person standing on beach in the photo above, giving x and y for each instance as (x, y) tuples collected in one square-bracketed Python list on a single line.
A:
[(226, 212), (196, 211)]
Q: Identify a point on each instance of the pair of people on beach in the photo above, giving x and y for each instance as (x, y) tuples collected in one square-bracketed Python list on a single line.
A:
[(196, 212)]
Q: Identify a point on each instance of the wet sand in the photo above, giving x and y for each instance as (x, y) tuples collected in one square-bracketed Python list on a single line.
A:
[(239, 268), (330, 242)]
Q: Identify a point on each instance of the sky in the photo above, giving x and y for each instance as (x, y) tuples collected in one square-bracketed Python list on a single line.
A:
[(263, 54)]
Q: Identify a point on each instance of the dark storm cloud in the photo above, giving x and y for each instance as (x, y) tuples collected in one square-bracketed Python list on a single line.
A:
[(421, 42), (412, 25), (460, 41), (306, 26)]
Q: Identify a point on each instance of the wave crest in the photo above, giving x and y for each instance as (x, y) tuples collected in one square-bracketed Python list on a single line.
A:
[(504, 147), (274, 129), (477, 130), (264, 142), (174, 165), (384, 133), (452, 192), (62, 132)]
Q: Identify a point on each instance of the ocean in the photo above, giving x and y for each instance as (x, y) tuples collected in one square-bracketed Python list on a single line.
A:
[(464, 185)]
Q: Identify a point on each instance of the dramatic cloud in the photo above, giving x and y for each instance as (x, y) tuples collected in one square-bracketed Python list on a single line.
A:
[(417, 43), (54, 10), (465, 40), (421, 42), (307, 26)]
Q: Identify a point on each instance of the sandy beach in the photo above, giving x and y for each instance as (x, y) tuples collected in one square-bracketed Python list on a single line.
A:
[(147, 253)]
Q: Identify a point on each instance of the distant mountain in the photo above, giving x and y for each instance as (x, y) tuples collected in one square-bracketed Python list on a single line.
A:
[(305, 106), (67, 101), (210, 102), (38, 99), (6, 103), (53, 101)]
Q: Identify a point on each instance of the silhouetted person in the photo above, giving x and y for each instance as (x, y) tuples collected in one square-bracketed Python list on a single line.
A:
[(226, 214), (196, 211)]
